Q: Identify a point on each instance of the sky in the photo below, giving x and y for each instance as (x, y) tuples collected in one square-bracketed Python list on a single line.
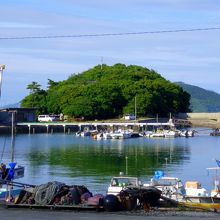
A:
[(190, 57)]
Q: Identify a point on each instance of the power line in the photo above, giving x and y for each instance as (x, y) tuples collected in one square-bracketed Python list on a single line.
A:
[(110, 34)]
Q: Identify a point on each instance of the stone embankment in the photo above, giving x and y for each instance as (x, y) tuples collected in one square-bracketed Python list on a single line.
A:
[(210, 120)]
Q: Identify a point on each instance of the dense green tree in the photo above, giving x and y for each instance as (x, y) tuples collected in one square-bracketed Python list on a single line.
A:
[(34, 87), (36, 98), (51, 83), (109, 91)]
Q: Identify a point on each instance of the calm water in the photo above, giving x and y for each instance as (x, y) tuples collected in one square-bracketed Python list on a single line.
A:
[(81, 160)]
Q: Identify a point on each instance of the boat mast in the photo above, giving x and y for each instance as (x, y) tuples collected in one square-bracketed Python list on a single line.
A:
[(2, 68), (12, 134)]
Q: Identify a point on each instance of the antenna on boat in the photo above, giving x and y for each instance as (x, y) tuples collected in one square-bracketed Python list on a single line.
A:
[(12, 134), (126, 165)]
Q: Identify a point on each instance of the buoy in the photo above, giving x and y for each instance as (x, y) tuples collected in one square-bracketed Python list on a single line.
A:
[(111, 203)]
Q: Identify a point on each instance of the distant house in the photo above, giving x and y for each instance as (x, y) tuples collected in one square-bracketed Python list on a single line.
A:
[(20, 115)]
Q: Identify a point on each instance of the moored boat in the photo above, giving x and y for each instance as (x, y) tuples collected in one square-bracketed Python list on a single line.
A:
[(121, 134), (131, 193), (119, 183), (192, 195)]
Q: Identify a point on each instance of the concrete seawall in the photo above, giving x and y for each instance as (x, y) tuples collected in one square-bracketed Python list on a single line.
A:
[(202, 119), (203, 115)]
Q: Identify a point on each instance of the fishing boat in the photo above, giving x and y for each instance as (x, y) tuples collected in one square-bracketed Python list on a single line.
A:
[(170, 133), (191, 195), (118, 183), (210, 201), (121, 134), (131, 193)]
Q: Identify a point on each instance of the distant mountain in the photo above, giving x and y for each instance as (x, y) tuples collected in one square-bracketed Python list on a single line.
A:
[(202, 100), (15, 105)]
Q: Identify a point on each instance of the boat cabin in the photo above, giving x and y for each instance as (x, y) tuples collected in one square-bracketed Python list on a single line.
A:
[(119, 183)]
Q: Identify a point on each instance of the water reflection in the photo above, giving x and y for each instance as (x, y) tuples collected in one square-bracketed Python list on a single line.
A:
[(101, 158), (90, 162)]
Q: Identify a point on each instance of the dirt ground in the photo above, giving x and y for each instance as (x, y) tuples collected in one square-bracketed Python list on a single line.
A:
[(34, 214)]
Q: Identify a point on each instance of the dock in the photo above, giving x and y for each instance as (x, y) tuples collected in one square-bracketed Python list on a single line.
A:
[(50, 127)]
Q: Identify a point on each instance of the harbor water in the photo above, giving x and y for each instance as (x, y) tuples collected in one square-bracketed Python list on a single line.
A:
[(84, 161)]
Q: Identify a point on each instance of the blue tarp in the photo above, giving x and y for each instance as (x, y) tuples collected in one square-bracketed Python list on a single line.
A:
[(158, 174), (10, 174), (218, 162)]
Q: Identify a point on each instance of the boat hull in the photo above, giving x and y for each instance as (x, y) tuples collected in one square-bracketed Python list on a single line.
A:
[(206, 203), (4, 193)]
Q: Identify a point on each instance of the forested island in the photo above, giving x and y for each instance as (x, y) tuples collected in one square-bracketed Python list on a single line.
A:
[(105, 92)]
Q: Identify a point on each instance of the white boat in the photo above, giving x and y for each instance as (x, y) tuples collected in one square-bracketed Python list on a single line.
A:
[(107, 135), (121, 134), (171, 187), (192, 195), (191, 133), (102, 136), (78, 133), (170, 133), (146, 134), (158, 134), (187, 133), (165, 133)]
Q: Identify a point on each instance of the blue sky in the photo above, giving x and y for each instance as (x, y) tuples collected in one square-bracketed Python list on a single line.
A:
[(191, 57)]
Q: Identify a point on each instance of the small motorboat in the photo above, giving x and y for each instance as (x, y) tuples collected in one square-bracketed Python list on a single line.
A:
[(191, 195), (119, 183)]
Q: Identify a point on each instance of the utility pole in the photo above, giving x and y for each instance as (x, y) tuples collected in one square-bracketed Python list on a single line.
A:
[(135, 107), (2, 67)]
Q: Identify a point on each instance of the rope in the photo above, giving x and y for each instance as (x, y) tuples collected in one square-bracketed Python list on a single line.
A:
[(45, 193)]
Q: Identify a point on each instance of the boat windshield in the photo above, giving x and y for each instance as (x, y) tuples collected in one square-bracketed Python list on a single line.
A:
[(123, 181)]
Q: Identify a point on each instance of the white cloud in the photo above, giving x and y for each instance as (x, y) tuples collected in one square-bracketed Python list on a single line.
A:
[(21, 25)]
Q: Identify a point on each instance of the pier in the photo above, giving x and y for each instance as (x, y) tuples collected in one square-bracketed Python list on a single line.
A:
[(50, 127)]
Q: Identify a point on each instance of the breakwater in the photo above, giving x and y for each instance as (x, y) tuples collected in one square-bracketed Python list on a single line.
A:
[(202, 119)]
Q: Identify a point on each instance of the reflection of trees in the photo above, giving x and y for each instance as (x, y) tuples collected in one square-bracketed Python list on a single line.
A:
[(102, 160)]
